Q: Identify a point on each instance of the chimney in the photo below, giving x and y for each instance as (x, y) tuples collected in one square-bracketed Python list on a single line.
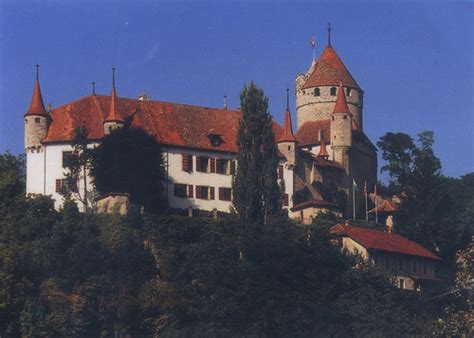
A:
[(225, 102), (389, 224), (319, 135), (143, 97)]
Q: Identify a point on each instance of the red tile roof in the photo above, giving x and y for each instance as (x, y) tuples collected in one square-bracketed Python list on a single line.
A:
[(383, 241), (329, 71), (313, 203), (287, 135), (37, 105), (385, 207), (319, 161), (171, 123), (341, 103), (307, 134)]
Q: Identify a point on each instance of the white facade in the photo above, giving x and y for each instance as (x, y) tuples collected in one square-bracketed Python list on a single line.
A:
[(45, 168)]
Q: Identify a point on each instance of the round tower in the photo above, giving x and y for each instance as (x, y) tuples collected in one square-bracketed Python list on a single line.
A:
[(341, 129), (36, 119), (316, 91)]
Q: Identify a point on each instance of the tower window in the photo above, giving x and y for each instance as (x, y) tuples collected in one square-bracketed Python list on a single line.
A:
[(345, 117), (333, 91), (317, 92), (348, 90), (289, 147), (333, 118), (37, 120)]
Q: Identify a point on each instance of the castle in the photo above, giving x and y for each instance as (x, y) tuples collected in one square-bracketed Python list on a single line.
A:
[(318, 163)]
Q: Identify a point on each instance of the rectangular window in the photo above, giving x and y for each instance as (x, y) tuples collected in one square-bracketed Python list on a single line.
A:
[(190, 191), (280, 172), (58, 185), (212, 193), (222, 166), (285, 200), (202, 192), (213, 165), (187, 163), (67, 156), (62, 185), (180, 190), (202, 164), (225, 194)]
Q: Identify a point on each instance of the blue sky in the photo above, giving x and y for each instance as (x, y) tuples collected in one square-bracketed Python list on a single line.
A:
[(414, 60)]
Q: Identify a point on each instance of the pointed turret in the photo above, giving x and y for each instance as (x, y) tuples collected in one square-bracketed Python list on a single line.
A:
[(36, 119), (113, 120), (37, 104), (287, 141), (341, 102), (287, 135)]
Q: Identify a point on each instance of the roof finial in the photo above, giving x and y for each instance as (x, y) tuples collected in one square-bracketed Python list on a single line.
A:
[(37, 72), (287, 98), (225, 102), (93, 88), (329, 34), (113, 76)]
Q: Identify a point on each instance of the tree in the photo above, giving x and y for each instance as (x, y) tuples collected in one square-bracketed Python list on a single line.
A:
[(77, 168), (12, 178), (130, 161), (256, 194)]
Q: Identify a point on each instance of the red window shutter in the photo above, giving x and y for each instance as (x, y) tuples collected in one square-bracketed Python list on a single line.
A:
[(185, 162), (190, 191), (285, 200), (218, 166), (58, 185), (198, 191), (280, 172), (190, 161), (212, 193), (198, 163), (213, 165)]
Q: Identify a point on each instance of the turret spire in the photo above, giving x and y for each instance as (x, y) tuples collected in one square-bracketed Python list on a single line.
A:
[(287, 135), (287, 99), (341, 103), (329, 34), (37, 104), (113, 113)]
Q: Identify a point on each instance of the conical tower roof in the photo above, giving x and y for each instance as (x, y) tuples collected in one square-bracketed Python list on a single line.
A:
[(287, 135), (37, 104), (341, 103), (113, 112), (329, 71)]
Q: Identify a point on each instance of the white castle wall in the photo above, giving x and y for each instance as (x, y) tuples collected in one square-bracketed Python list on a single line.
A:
[(35, 172)]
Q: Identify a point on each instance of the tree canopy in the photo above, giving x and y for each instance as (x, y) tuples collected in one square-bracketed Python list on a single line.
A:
[(130, 161), (256, 194)]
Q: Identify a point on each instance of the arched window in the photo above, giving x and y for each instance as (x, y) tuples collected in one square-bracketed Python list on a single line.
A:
[(333, 91), (37, 120), (317, 92)]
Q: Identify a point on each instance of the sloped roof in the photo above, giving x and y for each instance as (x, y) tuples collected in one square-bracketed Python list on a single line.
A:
[(320, 161), (113, 116), (383, 241), (385, 207), (313, 203), (170, 123), (307, 134), (329, 71)]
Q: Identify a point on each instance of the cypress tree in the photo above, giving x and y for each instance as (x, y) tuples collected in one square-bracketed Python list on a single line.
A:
[(255, 188)]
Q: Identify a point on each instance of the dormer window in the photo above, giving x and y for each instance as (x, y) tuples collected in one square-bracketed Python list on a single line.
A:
[(317, 92), (215, 140), (333, 91)]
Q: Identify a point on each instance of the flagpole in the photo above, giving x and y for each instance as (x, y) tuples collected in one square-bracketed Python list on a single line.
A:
[(353, 202), (366, 205), (376, 206)]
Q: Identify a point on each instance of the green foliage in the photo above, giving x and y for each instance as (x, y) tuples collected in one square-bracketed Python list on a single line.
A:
[(77, 168), (130, 161), (256, 194), (12, 178)]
